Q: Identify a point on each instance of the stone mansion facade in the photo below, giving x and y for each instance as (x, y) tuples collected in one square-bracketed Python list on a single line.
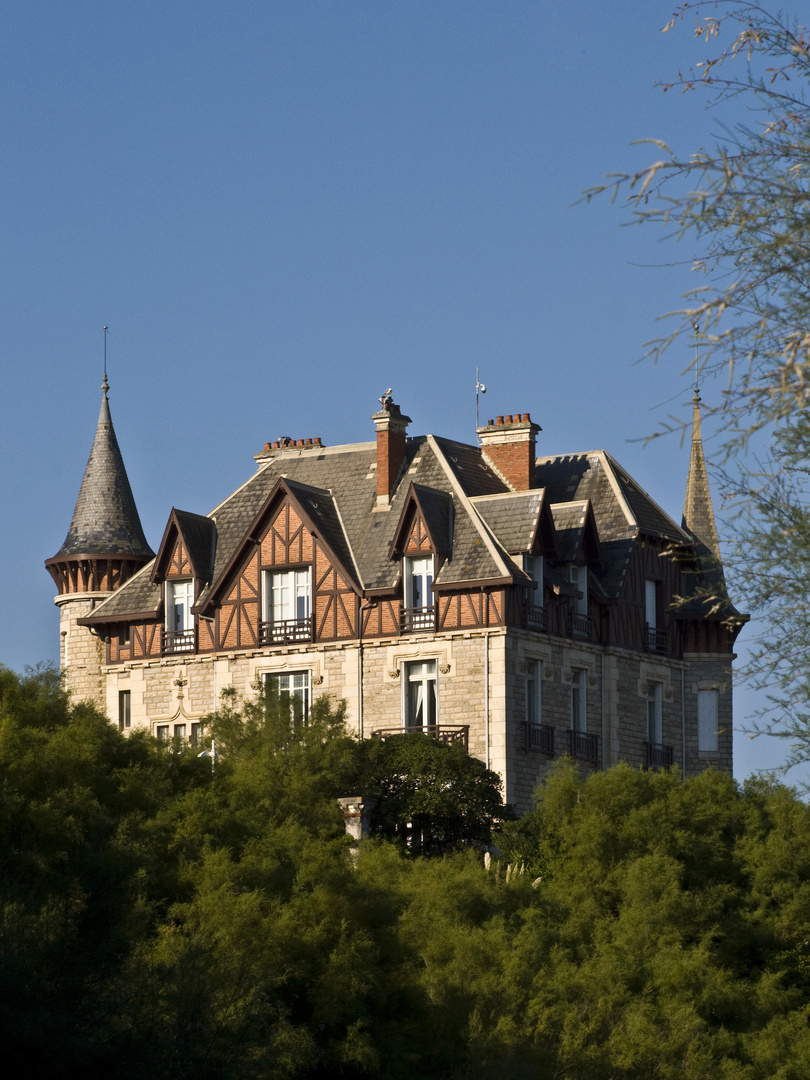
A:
[(529, 607)]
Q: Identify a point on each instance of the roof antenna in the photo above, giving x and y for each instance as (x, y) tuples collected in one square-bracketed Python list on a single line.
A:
[(105, 386), (479, 386)]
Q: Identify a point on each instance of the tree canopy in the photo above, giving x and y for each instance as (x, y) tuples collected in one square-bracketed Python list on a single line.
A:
[(161, 919), (741, 207)]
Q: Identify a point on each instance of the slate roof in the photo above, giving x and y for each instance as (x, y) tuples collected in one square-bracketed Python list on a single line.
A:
[(464, 501), (105, 520), (513, 518)]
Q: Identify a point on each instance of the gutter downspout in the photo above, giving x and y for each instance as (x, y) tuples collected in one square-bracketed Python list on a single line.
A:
[(363, 607), (486, 695)]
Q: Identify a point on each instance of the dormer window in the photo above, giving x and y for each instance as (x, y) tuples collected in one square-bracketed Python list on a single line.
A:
[(178, 631), (656, 635), (580, 623), (287, 606), (418, 609), (535, 610)]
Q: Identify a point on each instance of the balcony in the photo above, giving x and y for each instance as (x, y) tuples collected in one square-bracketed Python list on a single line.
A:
[(537, 619), (540, 737), (656, 639), (581, 625), (583, 746), (417, 618), (658, 756), (444, 733), (286, 631), (178, 641)]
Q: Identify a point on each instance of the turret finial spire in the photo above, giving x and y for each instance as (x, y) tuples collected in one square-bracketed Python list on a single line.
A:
[(105, 386), (698, 514)]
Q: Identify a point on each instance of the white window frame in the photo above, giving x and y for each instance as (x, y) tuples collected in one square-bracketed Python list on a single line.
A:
[(287, 595), (162, 732), (708, 720), (179, 598), (296, 688), (651, 603), (124, 710), (578, 576), (579, 700), (534, 693), (418, 581), (420, 688), (655, 714), (533, 565)]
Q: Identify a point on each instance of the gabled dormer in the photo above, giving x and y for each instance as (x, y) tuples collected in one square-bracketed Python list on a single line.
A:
[(523, 525), (183, 567), (290, 578), (578, 551), (423, 541)]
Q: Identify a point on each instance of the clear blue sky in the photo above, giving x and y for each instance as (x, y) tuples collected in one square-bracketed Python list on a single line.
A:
[(280, 209)]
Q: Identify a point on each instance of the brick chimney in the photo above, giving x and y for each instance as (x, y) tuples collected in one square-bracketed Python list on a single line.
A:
[(508, 446), (391, 427)]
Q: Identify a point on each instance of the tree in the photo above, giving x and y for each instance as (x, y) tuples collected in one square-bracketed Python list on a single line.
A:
[(744, 207), (746, 204), (432, 797)]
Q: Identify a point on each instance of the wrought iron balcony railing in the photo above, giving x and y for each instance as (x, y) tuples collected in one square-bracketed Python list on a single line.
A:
[(581, 625), (537, 618), (584, 746), (176, 641), (445, 733), (286, 631), (658, 756), (656, 639), (540, 737), (418, 618)]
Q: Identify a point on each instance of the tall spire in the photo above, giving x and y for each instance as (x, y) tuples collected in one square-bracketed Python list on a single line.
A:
[(698, 515), (105, 520)]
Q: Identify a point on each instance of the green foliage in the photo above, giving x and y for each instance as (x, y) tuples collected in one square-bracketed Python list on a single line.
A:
[(432, 798), (161, 919)]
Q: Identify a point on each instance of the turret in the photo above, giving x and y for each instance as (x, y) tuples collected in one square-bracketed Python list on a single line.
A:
[(104, 547)]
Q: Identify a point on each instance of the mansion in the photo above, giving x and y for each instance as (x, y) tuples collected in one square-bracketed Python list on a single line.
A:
[(530, 607)]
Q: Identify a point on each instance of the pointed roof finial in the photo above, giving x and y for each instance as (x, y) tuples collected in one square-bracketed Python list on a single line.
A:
[(105, 386), (698, 514)]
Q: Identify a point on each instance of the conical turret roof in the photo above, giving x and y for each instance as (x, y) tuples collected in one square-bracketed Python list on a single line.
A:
[(105, 520), (698, 515)]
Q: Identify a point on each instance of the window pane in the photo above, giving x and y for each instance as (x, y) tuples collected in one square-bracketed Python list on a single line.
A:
[(124, 709), (578, 714), (707, 702), (651, 603), (421, 701), (292, 689), (654, 714)]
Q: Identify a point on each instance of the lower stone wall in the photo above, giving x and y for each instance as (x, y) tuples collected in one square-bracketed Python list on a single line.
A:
[(616, 683)]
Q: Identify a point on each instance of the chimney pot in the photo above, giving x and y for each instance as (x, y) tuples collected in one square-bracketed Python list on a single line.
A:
[(308, 442), (275, 445), (498, 419), (526, 418), (318, 441)]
